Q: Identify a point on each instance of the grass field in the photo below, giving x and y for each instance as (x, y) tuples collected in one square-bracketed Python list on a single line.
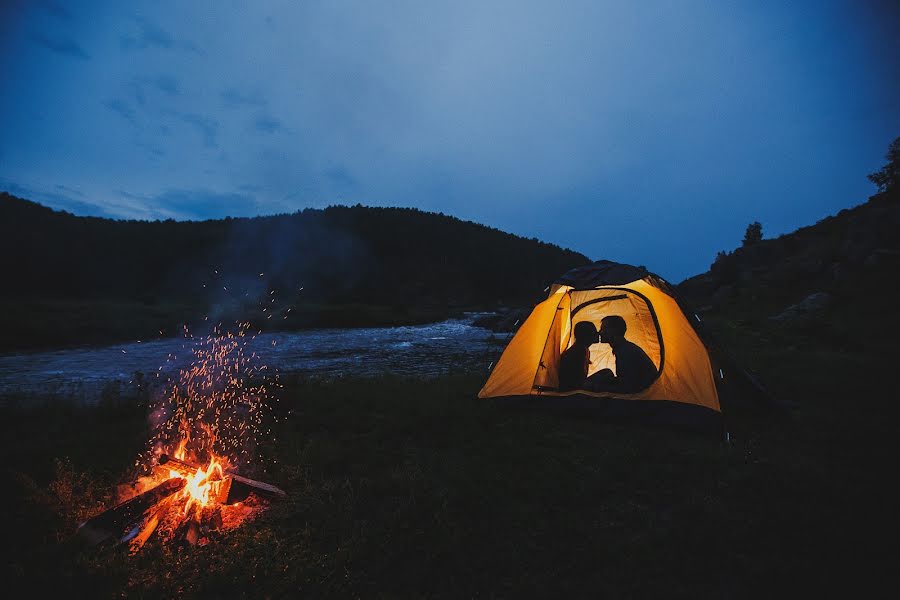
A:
[(416, 489)]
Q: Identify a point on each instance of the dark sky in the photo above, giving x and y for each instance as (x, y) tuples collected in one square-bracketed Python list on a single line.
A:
[(645, 132)]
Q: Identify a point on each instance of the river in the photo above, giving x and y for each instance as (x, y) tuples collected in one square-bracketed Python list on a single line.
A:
[(451, 346)]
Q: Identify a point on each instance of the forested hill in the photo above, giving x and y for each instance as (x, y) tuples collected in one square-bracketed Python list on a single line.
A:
[(398, 258)]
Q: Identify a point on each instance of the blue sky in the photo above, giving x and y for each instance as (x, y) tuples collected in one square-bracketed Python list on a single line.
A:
[(650, 133)]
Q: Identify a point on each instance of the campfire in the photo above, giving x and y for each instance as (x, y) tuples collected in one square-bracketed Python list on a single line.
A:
[(206, 426)]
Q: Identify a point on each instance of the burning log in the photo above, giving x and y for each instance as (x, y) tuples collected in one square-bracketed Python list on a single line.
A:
[(266, 490), (120, 520), (233, 489), (182, 467), (143, 532), (232, 494)]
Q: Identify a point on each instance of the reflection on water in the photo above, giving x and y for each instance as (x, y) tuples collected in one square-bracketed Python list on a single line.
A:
[(418, 351)]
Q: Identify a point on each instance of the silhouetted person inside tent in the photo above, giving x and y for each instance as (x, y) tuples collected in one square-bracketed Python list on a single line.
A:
[(574, 362), (634, 369)]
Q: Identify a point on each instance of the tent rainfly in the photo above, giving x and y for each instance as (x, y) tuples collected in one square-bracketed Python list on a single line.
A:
[(690, 368)]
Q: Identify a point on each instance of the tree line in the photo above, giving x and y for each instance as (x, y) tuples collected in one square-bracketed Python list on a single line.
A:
[(377, 256)]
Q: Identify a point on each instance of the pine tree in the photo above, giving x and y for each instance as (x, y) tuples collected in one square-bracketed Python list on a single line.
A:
[(753, 233), (887, 177)]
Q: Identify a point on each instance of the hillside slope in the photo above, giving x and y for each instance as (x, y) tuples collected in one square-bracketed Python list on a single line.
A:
[(818, 299)]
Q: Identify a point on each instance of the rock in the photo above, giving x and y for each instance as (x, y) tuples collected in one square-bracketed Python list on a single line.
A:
[(809, 309)]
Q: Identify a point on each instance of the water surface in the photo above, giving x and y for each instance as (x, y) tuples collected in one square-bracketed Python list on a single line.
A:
[(418, 351)]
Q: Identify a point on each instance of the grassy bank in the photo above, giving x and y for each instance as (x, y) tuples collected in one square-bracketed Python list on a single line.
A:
[(416, 489)]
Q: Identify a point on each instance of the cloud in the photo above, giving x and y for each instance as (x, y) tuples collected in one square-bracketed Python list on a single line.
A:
[(183, 204), (55, 199), (140, 89), (123, 109), (153, 150), (57, 10), (69, 190), (188, 204), (151, 35), (208, 128), (234, 98), (268, 124), (167, 84), (203, 204), (136, 103), (136, 206), (60, 45), (341, 178), (136, 92)]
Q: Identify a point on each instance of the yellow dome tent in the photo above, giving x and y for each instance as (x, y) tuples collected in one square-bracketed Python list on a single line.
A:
[(685, 387)]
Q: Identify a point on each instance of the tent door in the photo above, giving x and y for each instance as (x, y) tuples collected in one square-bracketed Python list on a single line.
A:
[(547, 375)]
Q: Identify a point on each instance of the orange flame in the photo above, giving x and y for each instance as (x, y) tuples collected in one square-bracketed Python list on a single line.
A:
[(202, 485)]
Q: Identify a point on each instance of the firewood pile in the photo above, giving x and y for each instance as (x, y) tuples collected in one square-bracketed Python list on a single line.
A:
[(180, 502)]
